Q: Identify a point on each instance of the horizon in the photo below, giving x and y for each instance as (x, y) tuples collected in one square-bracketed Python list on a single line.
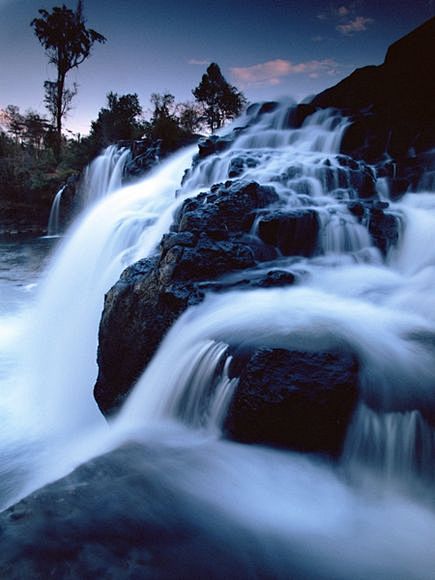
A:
[(268, 50)]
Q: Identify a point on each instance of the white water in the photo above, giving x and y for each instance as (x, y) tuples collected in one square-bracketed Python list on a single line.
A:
[(104, 175), (53, 228), (348, 297), (101, 177)]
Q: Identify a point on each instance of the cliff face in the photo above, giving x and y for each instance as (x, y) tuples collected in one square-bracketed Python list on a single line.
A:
[(393, 104)]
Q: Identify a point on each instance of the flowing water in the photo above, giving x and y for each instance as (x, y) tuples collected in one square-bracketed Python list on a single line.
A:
[(372, 515), (101, 177)]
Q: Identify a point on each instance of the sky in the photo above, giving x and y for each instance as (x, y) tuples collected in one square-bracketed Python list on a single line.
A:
[(267, 48)]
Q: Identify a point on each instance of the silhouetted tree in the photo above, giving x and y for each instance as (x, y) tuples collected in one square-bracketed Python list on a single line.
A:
[(67, 43), (14, 121), (190, 117), (119, 120), (219, 99)]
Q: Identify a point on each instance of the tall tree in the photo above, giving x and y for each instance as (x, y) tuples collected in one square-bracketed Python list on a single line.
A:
[(67, 43), (220, 100)]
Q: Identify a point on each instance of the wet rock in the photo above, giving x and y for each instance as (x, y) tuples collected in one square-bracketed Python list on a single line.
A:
[(123, 515), (268, 107), (298, 400), (208, 239), (298, 115), (212, 145), (294, 234), (384, 229), (145, 155)]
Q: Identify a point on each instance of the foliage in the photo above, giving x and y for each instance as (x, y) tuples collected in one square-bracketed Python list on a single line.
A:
[(67, 43), (190, 117), (120, 120), (220, 101), (164, 125)]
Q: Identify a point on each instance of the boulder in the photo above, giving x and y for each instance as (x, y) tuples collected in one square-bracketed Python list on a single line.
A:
[(124, 515), (298, 400)]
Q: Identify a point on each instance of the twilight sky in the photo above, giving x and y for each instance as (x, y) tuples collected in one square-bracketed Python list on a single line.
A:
[(267, 48)]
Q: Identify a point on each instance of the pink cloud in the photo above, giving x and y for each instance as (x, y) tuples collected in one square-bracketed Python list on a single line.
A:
[(272, 71), (358, 24)]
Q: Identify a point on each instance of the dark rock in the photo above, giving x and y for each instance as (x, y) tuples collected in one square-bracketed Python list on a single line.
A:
[(252, 279), (384, 229), (357, 209), (295, 233), (393, 104), (212, 145), (231, 209), (145, 155), (208, 240), (298, 115), (268, 107), (125, 515), (302, 401)]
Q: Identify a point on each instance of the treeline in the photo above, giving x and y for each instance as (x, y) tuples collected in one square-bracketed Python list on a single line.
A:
[(37, 154), (33, 165)]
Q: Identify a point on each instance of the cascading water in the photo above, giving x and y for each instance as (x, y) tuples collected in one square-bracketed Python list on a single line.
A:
[(104, 175), (348, 296), (53, 228), (101, 177)]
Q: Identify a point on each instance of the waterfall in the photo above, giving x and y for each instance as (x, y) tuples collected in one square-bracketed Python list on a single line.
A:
[(101, 177), (124, 227), (53, 228), (350, 295), (104, 174)]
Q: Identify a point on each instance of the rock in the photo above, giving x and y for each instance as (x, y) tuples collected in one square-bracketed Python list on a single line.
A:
[(125, 515), (298, 400), (211, 145), (392, 105), (145, 155), (298, 115), (384, 229), (207, 240), (294, 233)]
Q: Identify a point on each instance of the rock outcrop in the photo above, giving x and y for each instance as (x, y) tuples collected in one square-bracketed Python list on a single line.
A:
[(209, 239), (393, 104)]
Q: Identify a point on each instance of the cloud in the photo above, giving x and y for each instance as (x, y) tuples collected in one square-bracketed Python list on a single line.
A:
[(272, 71), (197, 61), (358, 24), (343, 11)]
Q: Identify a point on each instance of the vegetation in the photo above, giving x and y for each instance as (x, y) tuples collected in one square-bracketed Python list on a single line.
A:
[(120, 120), (220, 101), (36, 156), (67, 43)]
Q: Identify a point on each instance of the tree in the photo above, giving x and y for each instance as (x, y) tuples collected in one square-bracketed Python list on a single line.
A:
[(120, 120), (220, 100), (67, 43), (14, 121), (165, 124), (36, 129), (190, 117)]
